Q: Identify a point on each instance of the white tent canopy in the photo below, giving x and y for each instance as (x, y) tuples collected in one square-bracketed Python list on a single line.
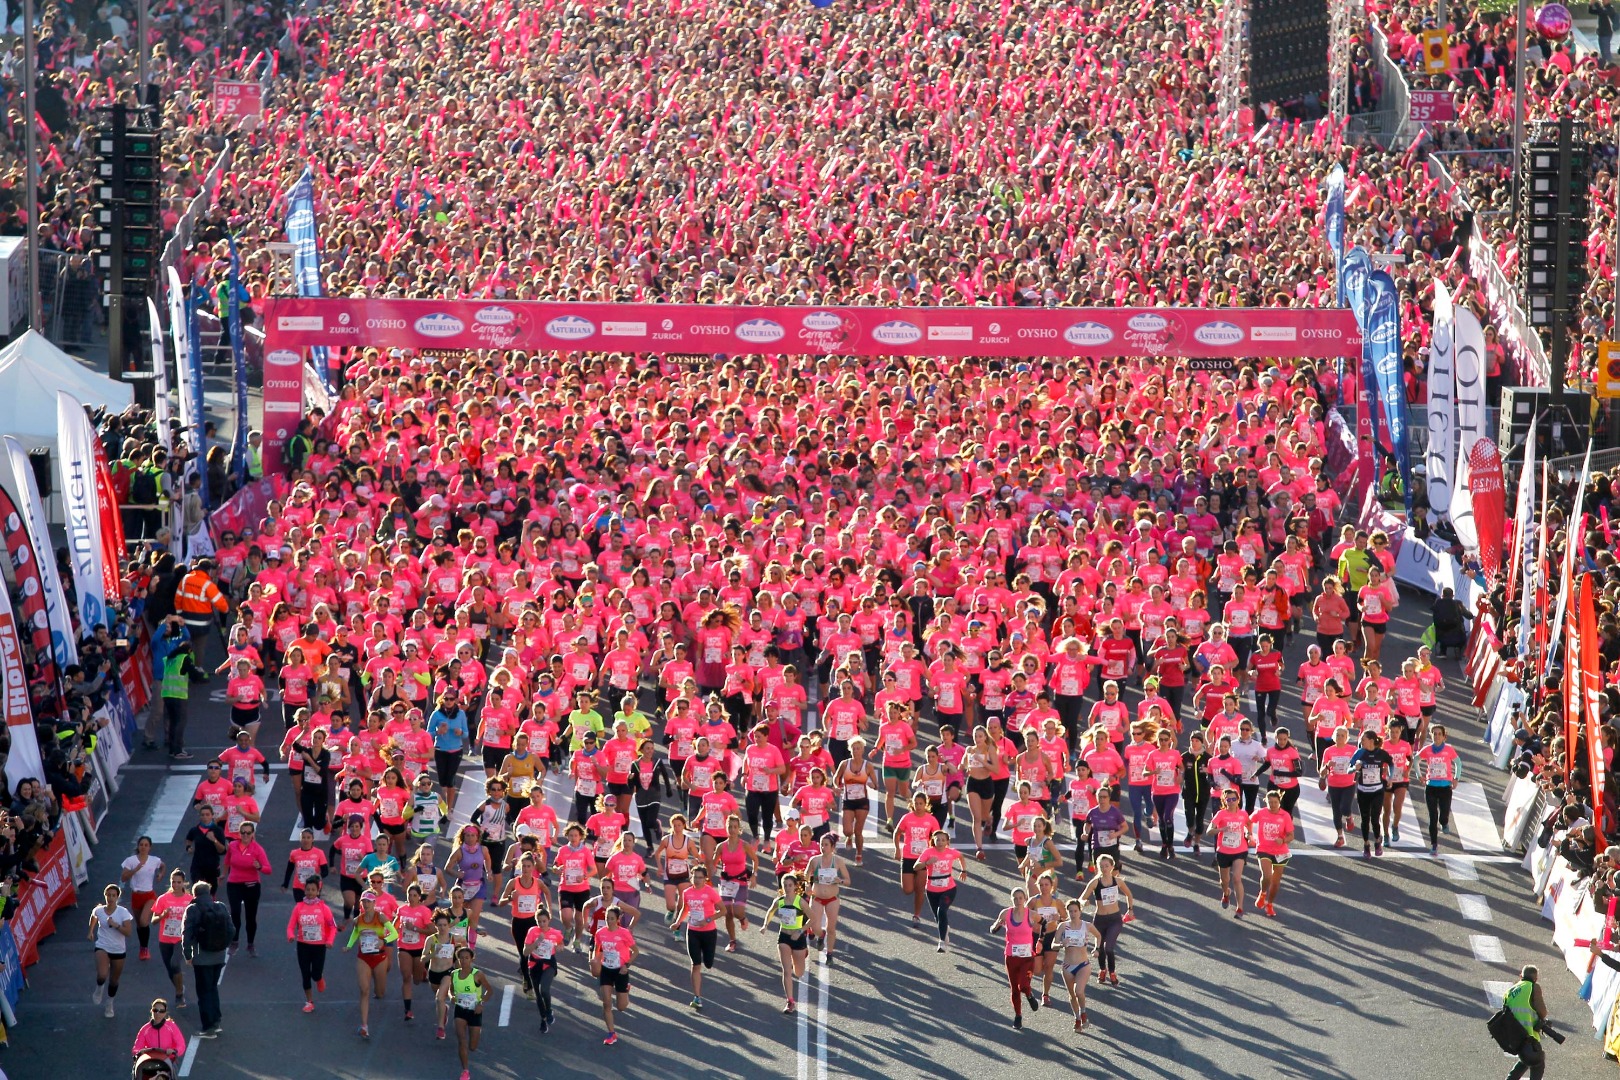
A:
[(32, 370)]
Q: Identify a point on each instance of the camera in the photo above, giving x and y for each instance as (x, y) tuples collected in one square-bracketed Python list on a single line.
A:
[(1547, 1030)]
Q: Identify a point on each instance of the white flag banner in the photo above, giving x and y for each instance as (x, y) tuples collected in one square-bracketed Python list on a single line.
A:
[(182, 348), (76, 468), (1440, 460), (160, 376), (63, 646), (1469, 342), (1462, 509)]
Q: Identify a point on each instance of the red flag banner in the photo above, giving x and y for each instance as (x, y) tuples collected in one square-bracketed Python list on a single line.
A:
[(46, 893), (1591, 692), (112, 530), (1490, 504)]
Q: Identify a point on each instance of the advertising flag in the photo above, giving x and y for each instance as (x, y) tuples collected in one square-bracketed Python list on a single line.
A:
[(76, 469), (18, 711), (1383, 347), (239, 443), (1490, 505), (302, 235), (1469, 338), (1333, 222), (160, 375), (64, 645), (1440, 459)]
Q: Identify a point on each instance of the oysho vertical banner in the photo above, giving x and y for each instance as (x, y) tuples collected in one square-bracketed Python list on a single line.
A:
[(283, 401), (1440, 459), (76, 467), (160, 375), (1471, 410), (302, 234), (239, 443), (64, 647), (1384, 348), (1333, 222), (15, 707)]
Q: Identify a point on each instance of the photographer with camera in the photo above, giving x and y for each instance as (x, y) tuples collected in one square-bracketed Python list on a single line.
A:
[(1523, 1006), (178, 671)]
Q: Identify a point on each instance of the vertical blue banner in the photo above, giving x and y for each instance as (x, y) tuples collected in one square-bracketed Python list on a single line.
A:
[(1333, 222), (302, 236), (1383, 348), (1357, 270), (198, 404), (237, 294)]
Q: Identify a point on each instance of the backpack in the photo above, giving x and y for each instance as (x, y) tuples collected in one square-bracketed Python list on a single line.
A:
[(143, 488), (1507, 1031), (214, 927)]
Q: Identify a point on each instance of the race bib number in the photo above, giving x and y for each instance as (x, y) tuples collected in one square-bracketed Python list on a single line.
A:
[(827, 875), (466, 1001), (854, 791), (1074, 938), (1023, 950), (370, 943), (445, 951), (761, 782), (611, 958), (728, 890), (545, 948), (173, 925), (527, 904), (676, 866)]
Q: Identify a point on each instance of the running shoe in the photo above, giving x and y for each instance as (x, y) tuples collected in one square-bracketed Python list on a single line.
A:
[(95, 998), (1435, 851), (146, 954), (466, 1074), (180, 1002), (1078, 1024), (528, 992), (1395, 835), (181, 756), (309, 1006), (438, 1033), (1226, 899), (1378, 849), (1238, 914), (613, 1037), (940, 947), (1366, 853), (1271, 910), (545, 1025), (1046, 1000), (1259, 903), (320, 984), (365, 1032), (1113, 978), (1350, 824), (1445, 830), (696, 1003), (1018, 1020), (253, 950), (731, 946), (234, 948), (108, 1011), (209, 1033), (1085, 1018), (1339, 843), (788, 1007), (916, 920), (1034, 1003), (409, 1015)]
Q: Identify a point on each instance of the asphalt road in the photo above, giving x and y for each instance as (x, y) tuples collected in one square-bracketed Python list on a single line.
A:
[(1370, 970)]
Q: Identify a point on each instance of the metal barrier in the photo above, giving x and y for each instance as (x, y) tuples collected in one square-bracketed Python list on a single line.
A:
[(70, 299), (1389, 123)]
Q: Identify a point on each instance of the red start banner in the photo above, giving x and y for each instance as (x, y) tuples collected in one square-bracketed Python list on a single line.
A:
[(295, 324), (861, 331)]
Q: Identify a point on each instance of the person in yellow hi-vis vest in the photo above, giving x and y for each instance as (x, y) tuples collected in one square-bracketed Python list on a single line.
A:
[(1524, 1001)]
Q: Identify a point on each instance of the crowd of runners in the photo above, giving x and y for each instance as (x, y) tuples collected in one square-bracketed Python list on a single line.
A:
[(732, 641)]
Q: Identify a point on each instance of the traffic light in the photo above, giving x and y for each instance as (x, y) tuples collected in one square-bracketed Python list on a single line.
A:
[(129, 172)]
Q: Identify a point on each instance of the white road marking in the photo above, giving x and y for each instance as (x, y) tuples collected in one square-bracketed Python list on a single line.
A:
[(163, 768), (1460, 867), (191, 1056), (1313, 816), (1487, 949), (1471, 819), (823, 989), (169, 809), (804, 1025), (506, 1005), (1494, 993), (1474, 907), (1355, 853)]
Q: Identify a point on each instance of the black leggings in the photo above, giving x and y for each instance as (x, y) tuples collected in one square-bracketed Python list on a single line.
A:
[(1174, 695), (1265, 704), (1342, 799), (1196, 810), (312, 805), (539, 976), (1108, 928), (584, 807), (1290, 799), (940, 904), (1372, 811), (244, 895), (1164, 807), (311, 963), (761, 804), (521, 925), (1437, 797), (652, 830)]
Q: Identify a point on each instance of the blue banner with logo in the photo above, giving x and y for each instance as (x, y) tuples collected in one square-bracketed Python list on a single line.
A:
[(1383, 348), (301, 234), (239, 443), (199, 406), (1357, 269), (11, 967), (1333, 222)]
